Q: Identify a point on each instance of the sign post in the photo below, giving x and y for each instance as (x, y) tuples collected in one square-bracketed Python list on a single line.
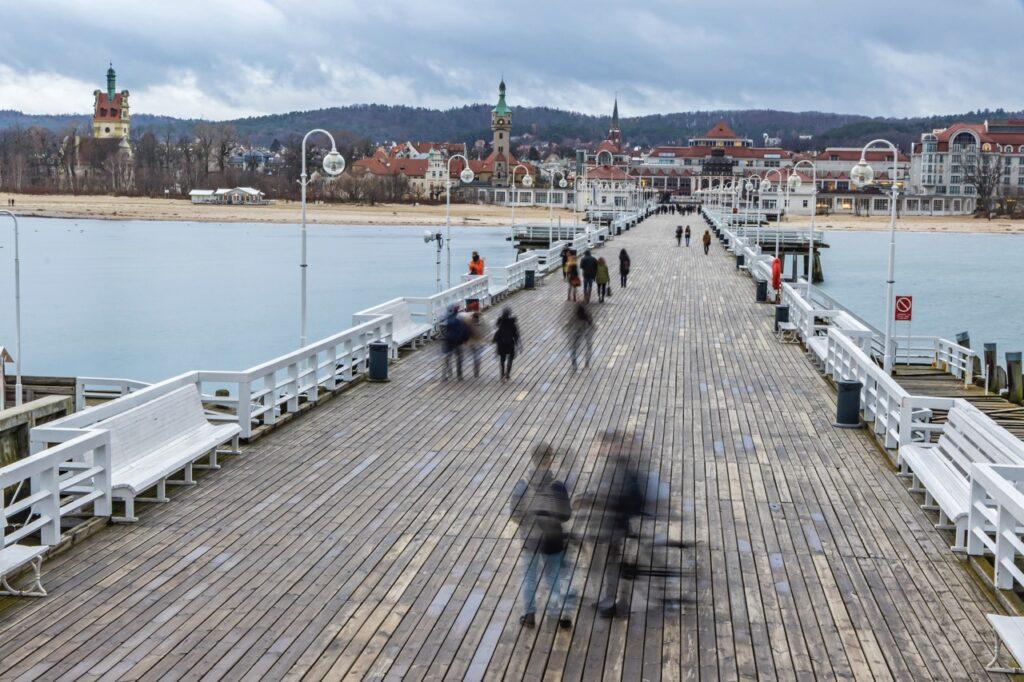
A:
[(904, 312)]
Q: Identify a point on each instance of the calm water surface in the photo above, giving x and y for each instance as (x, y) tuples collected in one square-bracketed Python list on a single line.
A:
[(146, 300), (960, 282)]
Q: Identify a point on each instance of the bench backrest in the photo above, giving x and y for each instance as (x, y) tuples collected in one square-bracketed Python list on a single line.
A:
[(969, 437), (401, 316), (140, 430)]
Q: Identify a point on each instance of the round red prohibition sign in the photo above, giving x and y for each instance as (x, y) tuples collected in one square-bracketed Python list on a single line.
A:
[(904, 308)]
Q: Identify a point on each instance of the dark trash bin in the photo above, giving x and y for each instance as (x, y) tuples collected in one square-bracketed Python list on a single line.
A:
[(762, 291), (781, 314), (531, 279), (848, 404), (739, 261), (379, 361)]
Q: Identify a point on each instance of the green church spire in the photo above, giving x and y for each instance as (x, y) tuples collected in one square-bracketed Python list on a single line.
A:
[(111, 82), (501, 108)]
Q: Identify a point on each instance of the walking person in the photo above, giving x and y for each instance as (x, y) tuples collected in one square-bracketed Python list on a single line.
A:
[(603, 279), (686, 236), (679, 235), (540, 506), (506, 339), (566, 253), (588, 268), (455, 333), (706, 239), (573, 276), (581, 332), (623, 267), (475, 333)]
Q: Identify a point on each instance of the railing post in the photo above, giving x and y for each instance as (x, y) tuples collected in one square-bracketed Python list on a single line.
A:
[(103, 506), (975, 519), (1004, 549), (906, 421), (50, 507), (270, 398), (79, 395), (243, 412), (293, 386)]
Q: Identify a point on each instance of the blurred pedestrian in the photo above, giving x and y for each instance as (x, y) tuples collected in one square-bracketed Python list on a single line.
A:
[(623, 267), (476, 334), (706, 239), (679, 235), (455, 334), (506, 339), (566, 254), (686, 236), (588, 268), (573, 274), (603, 279), (540, 506), (580, 328), (476, 264)]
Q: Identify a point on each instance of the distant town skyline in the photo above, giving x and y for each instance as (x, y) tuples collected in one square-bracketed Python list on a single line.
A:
[(239, 58)]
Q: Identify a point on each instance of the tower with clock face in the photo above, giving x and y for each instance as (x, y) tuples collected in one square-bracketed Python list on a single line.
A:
[(501, 127)]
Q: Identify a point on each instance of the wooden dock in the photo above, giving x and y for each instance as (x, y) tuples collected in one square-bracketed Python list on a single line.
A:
[(370, 538)]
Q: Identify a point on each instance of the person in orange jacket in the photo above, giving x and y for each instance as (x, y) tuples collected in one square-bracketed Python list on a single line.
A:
[(476, 264)]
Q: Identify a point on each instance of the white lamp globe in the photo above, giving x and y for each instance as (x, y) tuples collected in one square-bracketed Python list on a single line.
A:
[(528, 181), (562, 183), (466, 175), (765, 186), (794, 182), (334, 162), (862, 174), (749, 186)]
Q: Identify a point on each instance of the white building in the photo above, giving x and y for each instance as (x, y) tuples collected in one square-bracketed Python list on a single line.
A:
[(235, 196)]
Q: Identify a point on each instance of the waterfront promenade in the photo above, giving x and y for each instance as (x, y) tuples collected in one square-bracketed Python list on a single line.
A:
[(371, 538)]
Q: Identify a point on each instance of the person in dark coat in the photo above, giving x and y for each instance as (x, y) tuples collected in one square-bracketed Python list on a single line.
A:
[(679, 235), (706, 239), (455, 334), (623, 267), (686, 236), (588, 268), (506, 339), (581, 331), (540, 506)]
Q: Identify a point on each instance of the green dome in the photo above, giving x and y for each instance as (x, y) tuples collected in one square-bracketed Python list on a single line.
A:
[(501, 108)]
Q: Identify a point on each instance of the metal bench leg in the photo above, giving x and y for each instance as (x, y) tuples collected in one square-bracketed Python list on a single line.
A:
[(993, 665), (36, 590), (129, 512), (211, 462), (236, 449)]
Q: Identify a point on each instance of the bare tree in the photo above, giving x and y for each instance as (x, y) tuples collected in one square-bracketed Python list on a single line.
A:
[(983, 171)]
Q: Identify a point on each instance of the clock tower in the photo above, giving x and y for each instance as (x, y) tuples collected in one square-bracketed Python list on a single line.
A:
[(501, 127)]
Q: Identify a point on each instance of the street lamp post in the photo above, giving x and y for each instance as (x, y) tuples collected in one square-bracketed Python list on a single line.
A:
[(766, 186), (17, 315), (333, 164), (527, 182), (551, 207), (465, 176), (794, 184), (752, 188), (862, 174)]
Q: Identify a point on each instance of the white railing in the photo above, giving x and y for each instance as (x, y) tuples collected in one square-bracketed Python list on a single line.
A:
[(433, 309), (58, 482), (513, 276), (896, 417), (551, 258), (995, 518), (599, 236), (101, 388), (957, 360)]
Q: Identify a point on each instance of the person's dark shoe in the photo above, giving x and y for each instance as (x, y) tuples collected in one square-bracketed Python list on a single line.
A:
[(565, 623), (527, 620), (608, 611)]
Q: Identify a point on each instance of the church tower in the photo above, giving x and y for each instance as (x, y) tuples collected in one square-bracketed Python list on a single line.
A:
[(111, 117), (501, 127), (614, 134)]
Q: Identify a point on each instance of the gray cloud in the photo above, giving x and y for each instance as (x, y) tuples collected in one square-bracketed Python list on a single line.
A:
[(222, 58)]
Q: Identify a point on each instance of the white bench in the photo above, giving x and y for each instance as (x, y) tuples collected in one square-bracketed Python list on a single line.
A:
[(1009, 633), (405, 331), (941, 471), (15, 557), (818, 346), (788, 332), (159, 438)]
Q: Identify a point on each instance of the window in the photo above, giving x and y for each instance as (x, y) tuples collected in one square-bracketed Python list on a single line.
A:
[(880, 204), (805, 206), (911, 204)]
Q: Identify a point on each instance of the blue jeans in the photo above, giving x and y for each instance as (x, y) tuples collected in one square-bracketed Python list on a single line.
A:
[(555, 574)]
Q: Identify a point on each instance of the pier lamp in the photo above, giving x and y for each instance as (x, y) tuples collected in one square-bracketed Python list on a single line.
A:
[(766, 186), (527, 181), (333, 164), (793, 185), (17, 316), (863, 175), (466, 176), (438, 239), (753, 187), (551, 207)]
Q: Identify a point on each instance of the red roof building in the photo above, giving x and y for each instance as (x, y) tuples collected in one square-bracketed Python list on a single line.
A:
[(111, 117)]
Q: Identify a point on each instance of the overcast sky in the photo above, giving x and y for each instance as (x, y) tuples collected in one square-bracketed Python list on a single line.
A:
[(228, 58)]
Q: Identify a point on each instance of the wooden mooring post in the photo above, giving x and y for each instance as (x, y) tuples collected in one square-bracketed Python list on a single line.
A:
[(991, 358), (1014, 385)]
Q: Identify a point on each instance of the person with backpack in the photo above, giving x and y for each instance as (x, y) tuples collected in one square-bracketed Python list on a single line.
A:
[(623, 267), (572, 272), (686, 236), (506, 339), (539, 506), (455, 334), (588, 268)]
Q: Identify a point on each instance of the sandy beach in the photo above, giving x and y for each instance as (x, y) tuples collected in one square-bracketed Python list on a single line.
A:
[(142, 208)]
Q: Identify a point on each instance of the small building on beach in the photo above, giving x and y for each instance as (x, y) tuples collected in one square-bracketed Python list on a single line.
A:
[(235, 196)]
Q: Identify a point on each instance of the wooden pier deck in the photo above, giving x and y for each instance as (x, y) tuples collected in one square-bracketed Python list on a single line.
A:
[(370, 538)]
